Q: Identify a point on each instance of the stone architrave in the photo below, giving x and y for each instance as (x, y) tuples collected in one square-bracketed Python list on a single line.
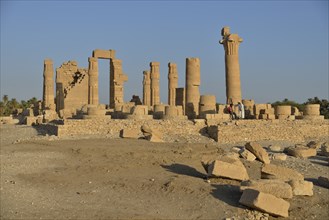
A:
[(192, 92), (231, 44), (117, 79), (172, 83), (93, 81), (155, 85), (48, 85), (146, 88)]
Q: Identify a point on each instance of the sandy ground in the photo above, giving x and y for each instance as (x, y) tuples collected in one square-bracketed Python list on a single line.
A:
[(101, 178)]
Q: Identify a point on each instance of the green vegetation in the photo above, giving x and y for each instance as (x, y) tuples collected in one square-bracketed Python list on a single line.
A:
[(7, 106)]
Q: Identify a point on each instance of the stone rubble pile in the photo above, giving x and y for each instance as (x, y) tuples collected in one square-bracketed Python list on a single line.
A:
[(277, 183)]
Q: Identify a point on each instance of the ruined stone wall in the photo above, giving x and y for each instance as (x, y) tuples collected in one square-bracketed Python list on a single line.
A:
[(71, 88), (200, 129)]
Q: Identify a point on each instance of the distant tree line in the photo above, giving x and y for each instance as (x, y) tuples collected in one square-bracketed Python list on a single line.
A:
[(8, 106)]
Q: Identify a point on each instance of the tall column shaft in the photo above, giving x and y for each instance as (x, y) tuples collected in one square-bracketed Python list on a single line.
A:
[(93, 98), (48, 85), (172, 83), (192, 92), (155, 85), (231, 43), (146, 88)]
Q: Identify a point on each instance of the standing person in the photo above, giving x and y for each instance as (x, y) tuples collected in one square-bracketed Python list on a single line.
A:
[(241, 110)]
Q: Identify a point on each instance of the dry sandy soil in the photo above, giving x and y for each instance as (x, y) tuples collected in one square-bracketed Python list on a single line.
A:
[(46, 177)]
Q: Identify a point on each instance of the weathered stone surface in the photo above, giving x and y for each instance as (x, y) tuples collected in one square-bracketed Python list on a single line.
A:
[(228, 167), (265, 202), (323, 181), (301, 187), (129, 133), (146, 129), (325, 149), (270, 171), (258, 151), (154, 138), (275, 187), (301, 151), (246, 154)]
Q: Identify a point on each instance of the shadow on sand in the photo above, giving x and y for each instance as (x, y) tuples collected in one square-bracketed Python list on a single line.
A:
[(183, 170)]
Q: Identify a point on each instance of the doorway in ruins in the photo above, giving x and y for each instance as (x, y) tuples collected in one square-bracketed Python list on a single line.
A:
[(104, 81)]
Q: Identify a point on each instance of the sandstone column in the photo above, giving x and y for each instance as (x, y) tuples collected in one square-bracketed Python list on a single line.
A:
[(93, 81), (48, 85), (147, 88), (155, 85), (231, 44), (117, 79), (192, 87), (172, 83)]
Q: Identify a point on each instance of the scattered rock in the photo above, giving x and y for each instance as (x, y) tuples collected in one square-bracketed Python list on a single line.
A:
[(278, 156), (323, 181), (258, 151), (265, 202), (274, 148), (270, 171), (301, 151), (228, 167), (246, 154), (275, 187)]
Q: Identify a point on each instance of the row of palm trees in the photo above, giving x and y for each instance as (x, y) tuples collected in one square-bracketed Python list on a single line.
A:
[(7, 106)]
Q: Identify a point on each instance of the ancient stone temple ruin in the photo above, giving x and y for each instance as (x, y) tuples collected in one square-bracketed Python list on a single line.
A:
[(77, 92)]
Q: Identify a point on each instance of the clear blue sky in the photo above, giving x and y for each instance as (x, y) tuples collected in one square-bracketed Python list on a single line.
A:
[(284, 53)]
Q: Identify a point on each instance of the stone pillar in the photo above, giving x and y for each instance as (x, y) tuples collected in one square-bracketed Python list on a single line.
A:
[(155, 85), (117, 79), (207, 105), (192, 87), (231, 44), (172, 83), (48, 85), (147, 88), (93, 81)]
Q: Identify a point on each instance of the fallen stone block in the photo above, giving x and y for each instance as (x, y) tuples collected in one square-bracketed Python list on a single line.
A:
[(265, 202), (228, 167), (301, 187), (258, 151), (323, 181), (154, 138), (129, 133), (301, 151), (270, 171), (246, 154), (275, 187)]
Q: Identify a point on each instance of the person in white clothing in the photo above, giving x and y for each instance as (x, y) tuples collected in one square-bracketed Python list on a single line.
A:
[(241, 110)]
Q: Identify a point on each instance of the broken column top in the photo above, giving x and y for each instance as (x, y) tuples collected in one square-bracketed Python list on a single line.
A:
[(228, 36), (48, 61), (154, 63), (104, 54)]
